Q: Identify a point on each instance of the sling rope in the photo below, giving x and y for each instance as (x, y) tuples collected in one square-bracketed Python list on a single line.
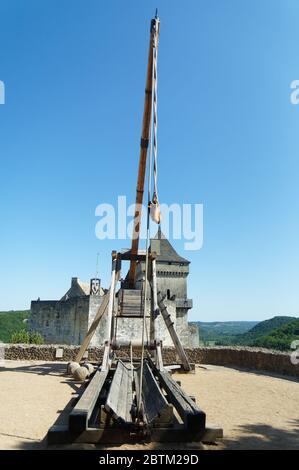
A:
[(155, 114)]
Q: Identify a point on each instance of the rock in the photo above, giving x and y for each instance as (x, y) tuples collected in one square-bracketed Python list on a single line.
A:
[(81, 373), (89, 367), (71, 367)]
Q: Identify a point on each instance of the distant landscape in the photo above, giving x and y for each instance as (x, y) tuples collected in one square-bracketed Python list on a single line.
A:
[(276, 333)]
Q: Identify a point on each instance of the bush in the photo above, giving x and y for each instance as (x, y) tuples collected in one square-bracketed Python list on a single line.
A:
[(21, 336), (36, 338), (26, 337)]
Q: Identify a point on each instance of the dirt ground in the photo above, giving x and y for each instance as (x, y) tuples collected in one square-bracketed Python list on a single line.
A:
[(256, 411)]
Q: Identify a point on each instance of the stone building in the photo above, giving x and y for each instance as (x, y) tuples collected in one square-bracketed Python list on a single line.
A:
[(66, 321)]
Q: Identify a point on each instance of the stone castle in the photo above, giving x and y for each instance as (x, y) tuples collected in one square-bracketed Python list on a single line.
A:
[(66, 321)]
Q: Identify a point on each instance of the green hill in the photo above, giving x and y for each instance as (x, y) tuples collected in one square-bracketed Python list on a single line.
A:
[(262, 329), (12, 321), (276, 333), (222, 331), (281, 337)]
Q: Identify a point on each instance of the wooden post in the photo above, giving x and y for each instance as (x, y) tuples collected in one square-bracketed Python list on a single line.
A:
[(111, 296), (159, 358), (155, 309), (106, 358), (115, 313)]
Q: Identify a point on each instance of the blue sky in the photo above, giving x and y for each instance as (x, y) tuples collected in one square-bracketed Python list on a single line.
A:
[(74, 74)]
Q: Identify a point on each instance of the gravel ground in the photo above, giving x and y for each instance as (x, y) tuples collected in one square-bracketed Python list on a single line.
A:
[(256, 411)]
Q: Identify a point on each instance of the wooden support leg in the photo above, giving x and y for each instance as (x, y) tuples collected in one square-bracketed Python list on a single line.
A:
[(155, 308), (111, 296), (93, 327), (176, 341), (159, 359)]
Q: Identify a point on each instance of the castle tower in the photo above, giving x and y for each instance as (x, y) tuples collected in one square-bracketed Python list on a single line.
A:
[(172, 272)]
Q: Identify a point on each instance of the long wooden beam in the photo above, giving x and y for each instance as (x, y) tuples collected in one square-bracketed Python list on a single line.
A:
[(79, 416), (147, 113), (193, 417)]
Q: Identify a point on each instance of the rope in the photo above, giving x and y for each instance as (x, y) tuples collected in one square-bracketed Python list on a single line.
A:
[(155, 113)]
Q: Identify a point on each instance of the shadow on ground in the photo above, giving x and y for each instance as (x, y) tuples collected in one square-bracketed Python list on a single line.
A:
[(250, 437), (45, 368), (262, 436), (245, 370)]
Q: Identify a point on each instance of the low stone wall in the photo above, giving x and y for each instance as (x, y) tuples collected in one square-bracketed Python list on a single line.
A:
[(243, 357), (246, 358)]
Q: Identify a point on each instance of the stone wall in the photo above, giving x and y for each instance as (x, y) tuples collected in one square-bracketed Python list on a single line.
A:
[(67, 322), (63, 321), (246, 358), (130, 329)]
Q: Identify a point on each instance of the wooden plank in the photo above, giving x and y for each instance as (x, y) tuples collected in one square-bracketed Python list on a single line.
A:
[(120, 397), (79, 416), (127, 255), (130, 302), (193, 417), (155, 406)]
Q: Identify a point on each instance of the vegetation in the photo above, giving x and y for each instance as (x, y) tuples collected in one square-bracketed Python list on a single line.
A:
[(264, 328), (21, 336), (36, 338), (213, 332), (280, 338), (26, 337), (261, 334), (275, 333), (11, 322)]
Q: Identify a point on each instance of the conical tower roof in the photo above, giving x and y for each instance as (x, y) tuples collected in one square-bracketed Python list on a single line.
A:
[(165, 251)]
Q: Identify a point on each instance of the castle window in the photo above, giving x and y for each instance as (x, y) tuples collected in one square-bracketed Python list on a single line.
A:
[(168, 294)]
